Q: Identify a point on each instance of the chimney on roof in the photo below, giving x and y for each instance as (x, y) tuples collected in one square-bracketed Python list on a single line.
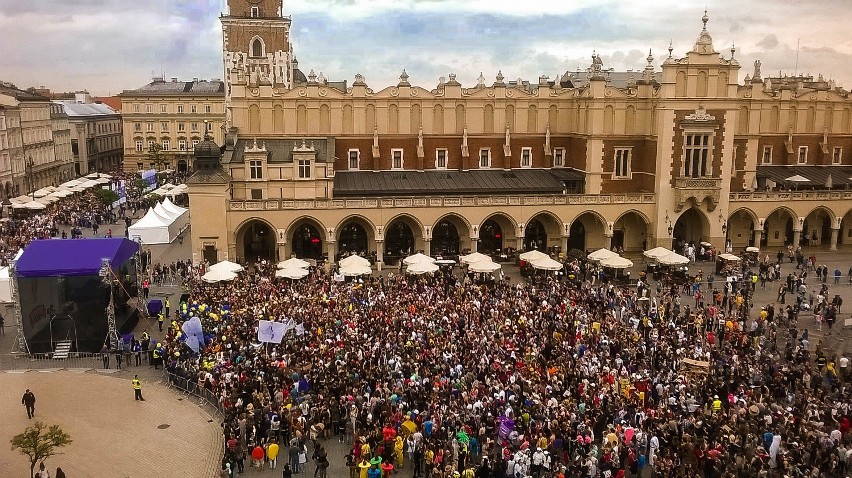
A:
[(174, 79), (195, 80), (216, 79)]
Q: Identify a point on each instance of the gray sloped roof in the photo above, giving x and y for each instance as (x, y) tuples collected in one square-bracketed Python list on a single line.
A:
[(488, 181), (87, 109), (157, 87), (209, 176), (817, 175), (281, 150)]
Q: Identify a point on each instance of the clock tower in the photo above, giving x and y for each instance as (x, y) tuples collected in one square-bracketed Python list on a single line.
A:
[(256, 49)]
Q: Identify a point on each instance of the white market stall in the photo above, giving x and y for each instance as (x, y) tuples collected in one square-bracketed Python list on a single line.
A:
[(226, 266), (292, 273), (152, 229), (474, 257), (601, 254), (616, 262), (533, 256), (546, 264), (214, 276), (5, 286), (484, 266), (294, 263), (418, 258)]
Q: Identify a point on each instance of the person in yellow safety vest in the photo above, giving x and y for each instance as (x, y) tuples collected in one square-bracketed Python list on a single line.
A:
[(168, 306), (157, 357), (717, 404), (137, 388), (753, 281), (160, 318)]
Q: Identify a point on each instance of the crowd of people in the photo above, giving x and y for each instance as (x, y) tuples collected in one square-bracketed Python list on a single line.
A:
[(450, 376)]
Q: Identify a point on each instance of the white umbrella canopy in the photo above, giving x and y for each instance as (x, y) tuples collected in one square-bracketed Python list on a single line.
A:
[(353, 269), (354, 260), (752, 249), (93, 176), (61, 193), (546, 264), (474, 257), (418, 268), (601, 254), (729, 257), (617, 262), (673, 259), (34, 205), (226, 266), (484, 266), (47, 199), (418, 258), (798, 179), (220, 275), (101, 180), (292, 273), (293, 263), (70, 184), (657, 253), (41, 193), (533, 255)]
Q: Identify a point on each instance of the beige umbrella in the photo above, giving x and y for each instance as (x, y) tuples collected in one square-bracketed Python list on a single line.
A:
[(34, 205), (293, 263), (292, 273), (484, 266), (729, 257), (546, 264), (353, 260), (418, 268), (474, 257), (601, 254), (418, 258), (617, 262), (47, 199), (213, 276), (226, 266), (657, 253), (353, 269), (673, 259), (41, 193), (102, 181), (533, 255), (61, 193)]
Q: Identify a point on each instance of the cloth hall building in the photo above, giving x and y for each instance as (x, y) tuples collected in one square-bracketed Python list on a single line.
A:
[(681, 150)]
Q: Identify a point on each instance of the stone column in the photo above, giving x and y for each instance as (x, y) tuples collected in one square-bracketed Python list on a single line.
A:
[(380, 251), (474, 244), (563, 243), (331, 250), (758, 235), (835, 233), (608, 241), (427, 246), (797, 235)]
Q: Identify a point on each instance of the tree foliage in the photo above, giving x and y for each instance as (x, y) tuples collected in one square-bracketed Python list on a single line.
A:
[(39, 442), (106, 196)]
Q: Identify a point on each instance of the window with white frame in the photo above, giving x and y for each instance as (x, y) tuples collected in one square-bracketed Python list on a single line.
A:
[(526, 157), (696, 162), (149, 108), (484, 158), (255, 12), (150, 126), (180, 108), (164, 125), (559, 157), (767, 155), (354, 159), (137, 126), (441, 159), (396, 159), (182, 144), (621, 166), (194, 126), (256, 169), (151, 144), (194, 144), (193, 108), (181, 126), (304, 169), (837, 155), (803, 155), (167, 144), (163, 108), (207, 109), (209, 126), (136, 108), (138, 145)]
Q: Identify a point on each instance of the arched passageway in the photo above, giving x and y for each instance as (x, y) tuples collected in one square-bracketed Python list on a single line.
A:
[(692, 226), (778, 228), (401, 239), (306, 241), (587, 233), (353, 239), (816, 230), (255, 241), (740, 230), (630, 232)]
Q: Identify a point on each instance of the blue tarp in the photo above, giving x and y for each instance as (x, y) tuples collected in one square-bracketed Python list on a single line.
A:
[(73, 257)]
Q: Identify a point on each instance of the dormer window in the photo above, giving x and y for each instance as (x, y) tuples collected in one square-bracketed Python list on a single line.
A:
[(255, 12), (396, 159), (354, 159)]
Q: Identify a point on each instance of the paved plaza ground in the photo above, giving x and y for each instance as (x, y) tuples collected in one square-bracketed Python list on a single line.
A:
[(117, 437)]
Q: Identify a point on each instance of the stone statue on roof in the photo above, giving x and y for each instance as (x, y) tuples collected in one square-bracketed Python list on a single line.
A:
[(756, 69)]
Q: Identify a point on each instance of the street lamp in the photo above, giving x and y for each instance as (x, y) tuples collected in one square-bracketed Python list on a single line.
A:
[(29, 166)]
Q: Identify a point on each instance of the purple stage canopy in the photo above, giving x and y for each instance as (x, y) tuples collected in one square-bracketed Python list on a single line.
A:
[(73, 257)]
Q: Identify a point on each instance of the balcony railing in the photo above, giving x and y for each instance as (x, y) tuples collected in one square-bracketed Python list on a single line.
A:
[(441, 201), (812, 195)]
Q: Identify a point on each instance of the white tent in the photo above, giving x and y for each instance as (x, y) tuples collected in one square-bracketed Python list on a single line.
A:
[(214, 276), (226, 266), (152, 229), (617, 262), (47, 199), (474, 257), (418, 258), (102, 181), (5, 286), (533, 255), (601, 254), (41, 193), (353, 268), (547, 264), (353, 261), (657, 253), (182, 218), (34, 205), (484, 266), (293, 263), (673, 259), (418, 268), (729, 257), (292, 273), (61, 193)]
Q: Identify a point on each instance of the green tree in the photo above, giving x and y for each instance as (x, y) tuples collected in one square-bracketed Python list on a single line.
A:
[(39, 442), (106, 196), (156, 156)]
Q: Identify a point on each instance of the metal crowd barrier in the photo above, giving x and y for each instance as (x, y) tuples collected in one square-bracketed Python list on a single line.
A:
[(190, 387), (44, 361)]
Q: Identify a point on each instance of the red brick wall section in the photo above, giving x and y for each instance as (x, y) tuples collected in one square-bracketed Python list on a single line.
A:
[(678, 143)]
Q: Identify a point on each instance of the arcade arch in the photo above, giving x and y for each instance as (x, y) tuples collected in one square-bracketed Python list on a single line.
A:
[(355, 235), (450, 236), (740, 229), (255, 241), (497, 233), (816, 230), (778, 227), (542, 232), (587, 232), (630, 231), (691, 226), (403, 237), (307, 239)]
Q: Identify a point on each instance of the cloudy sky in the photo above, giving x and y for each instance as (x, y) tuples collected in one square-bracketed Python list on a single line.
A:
[(106, 46)]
